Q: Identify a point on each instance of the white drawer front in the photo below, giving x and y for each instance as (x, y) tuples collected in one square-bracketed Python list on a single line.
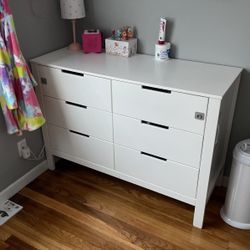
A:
[(166, 174), (83, 89), (171, 109), (86, 148), (172, 144), (79, 118)]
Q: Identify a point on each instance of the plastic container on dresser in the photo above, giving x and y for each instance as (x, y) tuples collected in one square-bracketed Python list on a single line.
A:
[(162, 126)]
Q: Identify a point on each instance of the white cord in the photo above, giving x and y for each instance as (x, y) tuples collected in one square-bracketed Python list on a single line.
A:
[(40, 156)]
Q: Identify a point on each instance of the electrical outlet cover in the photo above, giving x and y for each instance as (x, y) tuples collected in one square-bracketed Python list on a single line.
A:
[(7, 210), (20, 146)]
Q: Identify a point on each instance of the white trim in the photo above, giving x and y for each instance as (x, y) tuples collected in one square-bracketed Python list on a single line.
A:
[(15, 187)]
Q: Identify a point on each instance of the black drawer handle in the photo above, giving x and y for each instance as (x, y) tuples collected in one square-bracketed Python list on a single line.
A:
[(72, 72), (77, 133), (154, 124), (156, 89), (77, 105), (154, 156)]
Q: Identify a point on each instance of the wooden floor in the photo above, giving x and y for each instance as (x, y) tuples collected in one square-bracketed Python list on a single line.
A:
[(77, 208)]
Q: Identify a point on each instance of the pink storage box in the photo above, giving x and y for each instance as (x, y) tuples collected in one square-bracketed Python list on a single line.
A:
[(92, 41)]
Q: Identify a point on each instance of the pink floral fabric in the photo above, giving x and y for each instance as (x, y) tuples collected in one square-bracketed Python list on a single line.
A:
[(17, 96)]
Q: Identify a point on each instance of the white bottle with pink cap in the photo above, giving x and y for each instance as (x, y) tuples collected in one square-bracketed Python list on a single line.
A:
[(162, 48)]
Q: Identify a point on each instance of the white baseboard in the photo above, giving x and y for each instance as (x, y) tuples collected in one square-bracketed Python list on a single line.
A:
[(23, 181)]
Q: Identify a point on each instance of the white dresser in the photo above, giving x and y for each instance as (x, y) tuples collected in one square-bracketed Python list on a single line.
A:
[(164, 126)]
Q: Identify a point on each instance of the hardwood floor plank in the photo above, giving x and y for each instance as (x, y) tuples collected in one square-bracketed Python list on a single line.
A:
[(151, 221), (3, 245), (4, 235), (151, 200), (78, 208), (26, 237), (15, 243), (30, 236), (71, 195), (65, 230), (74, 214), (127, 192)]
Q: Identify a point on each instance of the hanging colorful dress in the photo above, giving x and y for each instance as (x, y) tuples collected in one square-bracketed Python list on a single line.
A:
[(18, 100)]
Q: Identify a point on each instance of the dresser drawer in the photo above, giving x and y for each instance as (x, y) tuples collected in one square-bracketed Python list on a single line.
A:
[(79, 118), (76, 87), (166, 174), (172, 144), (170, 108), (87, 148)]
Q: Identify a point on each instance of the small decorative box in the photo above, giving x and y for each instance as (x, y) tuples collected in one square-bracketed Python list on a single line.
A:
[(92, 41), (124, 48)]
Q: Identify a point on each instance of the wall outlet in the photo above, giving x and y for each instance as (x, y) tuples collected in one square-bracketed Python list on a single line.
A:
[(21, 145)]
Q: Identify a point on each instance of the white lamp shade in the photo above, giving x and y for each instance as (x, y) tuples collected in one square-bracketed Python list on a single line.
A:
[(72, 9)]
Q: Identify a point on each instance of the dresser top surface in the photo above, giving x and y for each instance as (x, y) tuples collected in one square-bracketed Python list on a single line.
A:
[(178, 75)]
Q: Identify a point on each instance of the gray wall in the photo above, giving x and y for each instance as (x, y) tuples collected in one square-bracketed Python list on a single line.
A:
[(215, 31), (40, 30)]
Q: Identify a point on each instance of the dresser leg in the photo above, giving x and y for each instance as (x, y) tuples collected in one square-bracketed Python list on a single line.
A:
[(206, 161), (51, 161), (199, 213)]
